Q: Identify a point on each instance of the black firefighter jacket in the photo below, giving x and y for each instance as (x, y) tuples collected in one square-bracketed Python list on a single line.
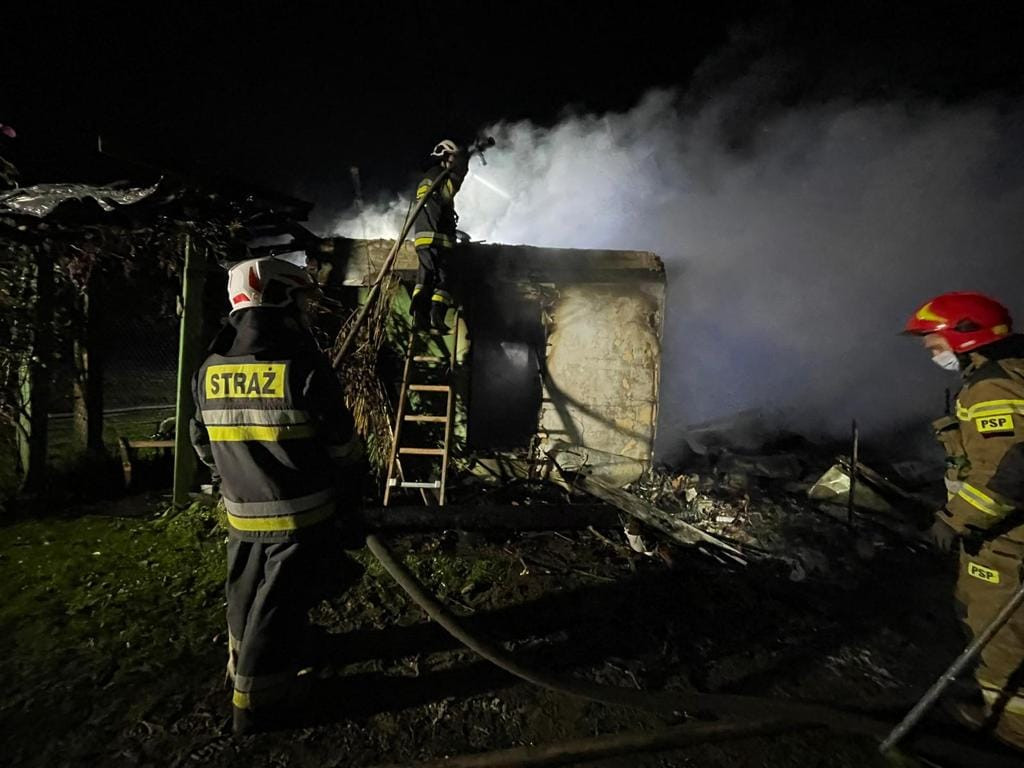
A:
[(271, 422), (436, 222)]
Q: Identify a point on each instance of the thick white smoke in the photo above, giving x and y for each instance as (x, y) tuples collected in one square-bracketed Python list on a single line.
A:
[(792, 262)]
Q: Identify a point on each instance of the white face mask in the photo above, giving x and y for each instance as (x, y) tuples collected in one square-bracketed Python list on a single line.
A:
[(947, 360)]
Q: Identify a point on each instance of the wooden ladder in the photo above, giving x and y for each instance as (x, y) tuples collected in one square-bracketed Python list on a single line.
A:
[(417, 366)]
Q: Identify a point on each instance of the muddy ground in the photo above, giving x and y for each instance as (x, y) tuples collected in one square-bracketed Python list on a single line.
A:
[(114, 642)]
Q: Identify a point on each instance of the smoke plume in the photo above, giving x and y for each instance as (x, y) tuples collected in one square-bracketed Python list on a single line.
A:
[(793, 259)]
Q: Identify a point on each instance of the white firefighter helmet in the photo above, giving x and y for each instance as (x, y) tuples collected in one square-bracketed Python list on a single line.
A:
[(445, 147), (266, 282)]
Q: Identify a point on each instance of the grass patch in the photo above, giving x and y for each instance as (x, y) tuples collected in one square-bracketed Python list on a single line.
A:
[(97, 603)]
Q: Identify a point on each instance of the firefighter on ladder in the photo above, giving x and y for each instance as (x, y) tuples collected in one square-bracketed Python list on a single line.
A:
[(271, 424), (434, 236), (984, 512)]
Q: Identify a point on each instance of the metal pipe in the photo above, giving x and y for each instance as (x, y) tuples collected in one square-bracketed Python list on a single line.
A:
[(189, 349), (854, 452), (946, 679)]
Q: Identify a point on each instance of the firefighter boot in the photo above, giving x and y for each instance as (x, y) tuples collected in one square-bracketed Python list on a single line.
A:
[(271, 709), (438, 310), (420, 310)]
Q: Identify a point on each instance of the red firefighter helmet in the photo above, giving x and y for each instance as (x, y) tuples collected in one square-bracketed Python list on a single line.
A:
[(965, 320)]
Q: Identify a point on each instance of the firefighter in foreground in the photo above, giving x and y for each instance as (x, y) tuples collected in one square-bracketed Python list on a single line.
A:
[(272, 425), (984, 512), (434, 237)]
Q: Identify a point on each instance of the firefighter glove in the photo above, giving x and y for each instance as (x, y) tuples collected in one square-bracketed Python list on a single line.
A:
[(942, 536)]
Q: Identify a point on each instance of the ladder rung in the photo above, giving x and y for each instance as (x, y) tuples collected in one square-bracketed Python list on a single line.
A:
[(418, 417), (395, 482), (430, 387), (429, 359), (422, 451)]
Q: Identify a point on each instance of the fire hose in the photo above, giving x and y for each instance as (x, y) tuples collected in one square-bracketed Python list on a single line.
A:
[(675, 704)]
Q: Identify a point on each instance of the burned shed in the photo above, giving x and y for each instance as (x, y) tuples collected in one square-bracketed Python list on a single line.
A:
[(562, 346)]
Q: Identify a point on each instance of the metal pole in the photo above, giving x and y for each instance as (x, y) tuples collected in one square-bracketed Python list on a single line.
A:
[(193, 279), (37, 375), (970, 653), (854, 459)]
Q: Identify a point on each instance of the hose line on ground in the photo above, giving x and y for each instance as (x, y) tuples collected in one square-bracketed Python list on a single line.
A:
[(675, 704)]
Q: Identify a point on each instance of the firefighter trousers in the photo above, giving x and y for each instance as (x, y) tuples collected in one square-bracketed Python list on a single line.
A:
[(433, 277), (986, 582), (270, 588)]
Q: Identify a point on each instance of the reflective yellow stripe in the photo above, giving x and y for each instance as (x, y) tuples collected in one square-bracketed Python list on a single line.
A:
[(1010, 704), (432, 238), (227, 417), (421, 191), (446, 300), (281, 522), (989, 408), (264, 434), (279, 506), (983, 501), (240, 700)]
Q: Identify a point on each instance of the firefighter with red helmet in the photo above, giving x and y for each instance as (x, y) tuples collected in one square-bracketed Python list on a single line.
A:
[(971, 333)]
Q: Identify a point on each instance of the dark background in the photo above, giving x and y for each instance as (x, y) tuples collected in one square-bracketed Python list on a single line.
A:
[(290, 96)]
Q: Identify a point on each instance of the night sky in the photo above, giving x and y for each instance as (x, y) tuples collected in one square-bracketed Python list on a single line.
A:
[(290, 97), (801, 164)]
